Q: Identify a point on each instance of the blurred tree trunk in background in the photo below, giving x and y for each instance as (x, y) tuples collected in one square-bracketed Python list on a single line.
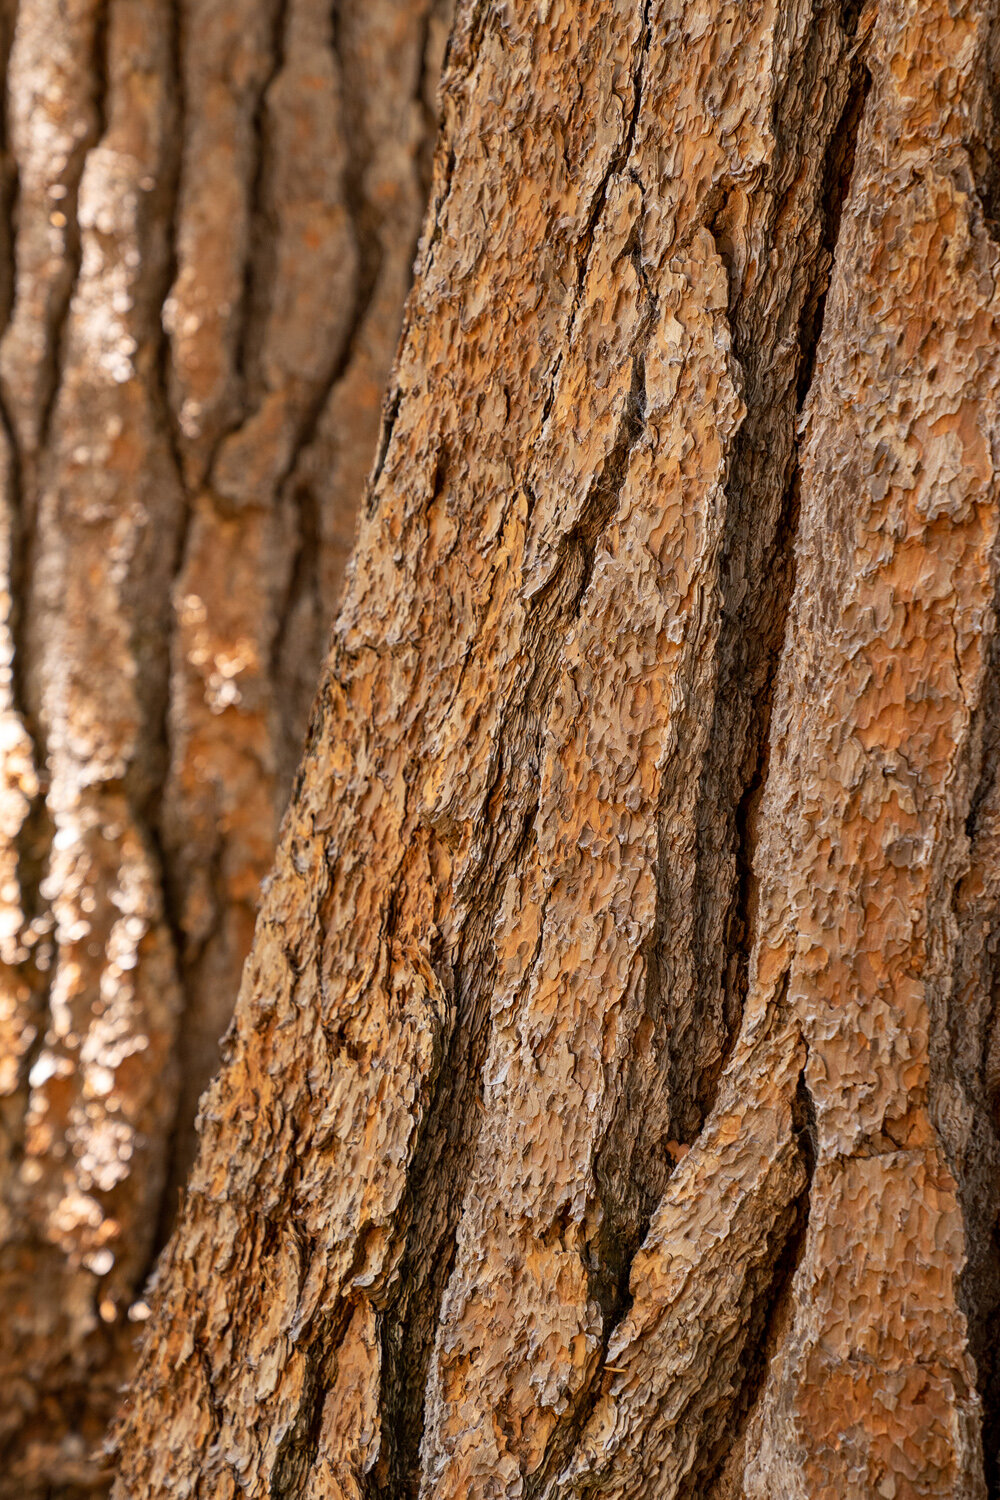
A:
[(209, 212), (611, 1103)]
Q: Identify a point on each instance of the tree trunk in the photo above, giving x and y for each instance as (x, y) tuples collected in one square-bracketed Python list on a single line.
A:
[(611, 1102), (210, 210)]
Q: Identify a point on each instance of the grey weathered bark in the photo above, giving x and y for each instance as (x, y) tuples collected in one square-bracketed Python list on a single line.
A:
[(209, 211), (611, 1103)]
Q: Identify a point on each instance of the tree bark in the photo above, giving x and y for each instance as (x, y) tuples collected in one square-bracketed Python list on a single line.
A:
[(611, 1101), (209, 211)]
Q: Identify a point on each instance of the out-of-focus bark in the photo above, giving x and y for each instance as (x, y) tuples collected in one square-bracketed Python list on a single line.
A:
[(209, 211), (611, 1103)]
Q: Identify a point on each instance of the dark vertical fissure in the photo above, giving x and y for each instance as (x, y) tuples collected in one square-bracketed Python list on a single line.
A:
[(74, 247), (967, 1047), (766, 1317), (602, 500), (838, 170), (978, 1173), (428, 74), (162, 230), (620, 156), (260, 232), (167, 222), (751, 641), (984, 148), (299, 1447), (758, 583)]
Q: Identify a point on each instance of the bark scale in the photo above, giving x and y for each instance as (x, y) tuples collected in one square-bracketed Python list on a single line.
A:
[(610, 1105), (208, 213)]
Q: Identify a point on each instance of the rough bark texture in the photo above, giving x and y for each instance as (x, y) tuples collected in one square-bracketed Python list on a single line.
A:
[(209, 211), (611, 1103)]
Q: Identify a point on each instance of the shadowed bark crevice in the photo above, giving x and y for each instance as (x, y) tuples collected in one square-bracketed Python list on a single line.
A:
[(166, 198), (407, 1330), (605, 492), (170, 197), (390, 411), (621, 156), (984, 149), (425, 93), (298, 1449), (258, 263), (750, 645), (56, 332), (768, 1323), (968, 1045), (838, 170), (761, 550)]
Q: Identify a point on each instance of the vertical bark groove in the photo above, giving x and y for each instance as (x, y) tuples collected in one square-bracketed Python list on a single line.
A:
[(53, 365), (967, 1048)]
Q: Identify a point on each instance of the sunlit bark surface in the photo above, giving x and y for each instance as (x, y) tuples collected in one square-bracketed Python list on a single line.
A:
[(208, 216)]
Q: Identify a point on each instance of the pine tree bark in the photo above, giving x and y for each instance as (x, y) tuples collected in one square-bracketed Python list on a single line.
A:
[(209, 211), (611, 1102)]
